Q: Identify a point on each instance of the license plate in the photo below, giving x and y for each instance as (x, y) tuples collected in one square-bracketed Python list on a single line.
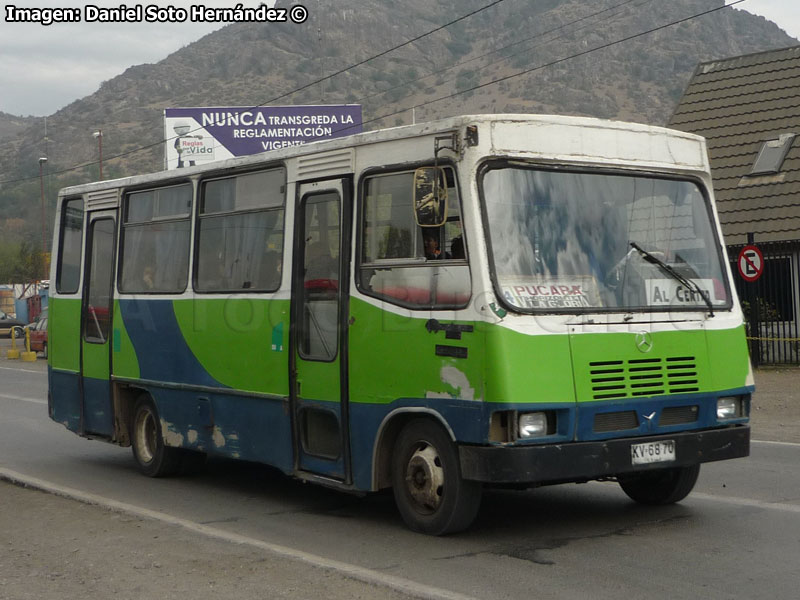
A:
[(653, 452)]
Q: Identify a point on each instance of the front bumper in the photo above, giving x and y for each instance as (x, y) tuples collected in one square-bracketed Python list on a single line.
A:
[(584, 461)]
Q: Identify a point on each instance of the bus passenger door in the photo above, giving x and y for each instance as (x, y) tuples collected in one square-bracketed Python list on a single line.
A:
[(96, 415), (319, 330)]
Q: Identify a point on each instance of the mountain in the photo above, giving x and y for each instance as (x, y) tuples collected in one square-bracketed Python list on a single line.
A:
[(11, 126), (640, 79)]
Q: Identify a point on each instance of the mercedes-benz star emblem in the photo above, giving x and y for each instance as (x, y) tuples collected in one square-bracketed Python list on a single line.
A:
[(644, 342)]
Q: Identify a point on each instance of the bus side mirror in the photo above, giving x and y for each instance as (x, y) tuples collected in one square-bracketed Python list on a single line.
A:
[(430, 197)]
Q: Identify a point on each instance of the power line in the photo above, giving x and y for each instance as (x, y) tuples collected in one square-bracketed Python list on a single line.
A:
[(380, 54), (517, 43), (439, 99), (549, 64), (275, 99)]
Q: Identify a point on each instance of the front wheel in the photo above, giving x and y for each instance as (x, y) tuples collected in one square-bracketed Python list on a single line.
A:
[(663, 486), (153, 457), (426, 480)]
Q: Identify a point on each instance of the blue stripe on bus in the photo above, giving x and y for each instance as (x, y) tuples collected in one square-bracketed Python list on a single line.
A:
[(468, 419), (648, 414), (66, 401), (97, 407), (249, 428), (161, 350)]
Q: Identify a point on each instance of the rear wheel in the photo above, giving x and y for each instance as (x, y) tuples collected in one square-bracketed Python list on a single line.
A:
[(44, 350), (426, 479), (663, 486), (153, 457)]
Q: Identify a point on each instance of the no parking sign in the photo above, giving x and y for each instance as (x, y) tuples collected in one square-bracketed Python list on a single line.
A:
[(751, 263)]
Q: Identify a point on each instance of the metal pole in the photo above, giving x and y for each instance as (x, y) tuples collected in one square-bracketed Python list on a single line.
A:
[(99, 135), (754, 317), (43, 160)]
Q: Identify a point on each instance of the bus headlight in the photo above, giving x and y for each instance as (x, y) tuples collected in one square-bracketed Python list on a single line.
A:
[(533, 425), (729, 407)]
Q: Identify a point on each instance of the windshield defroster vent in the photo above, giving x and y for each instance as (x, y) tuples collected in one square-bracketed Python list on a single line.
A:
[(634, 378)]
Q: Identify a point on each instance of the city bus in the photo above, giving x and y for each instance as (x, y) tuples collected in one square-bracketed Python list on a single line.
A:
[(480, 301)]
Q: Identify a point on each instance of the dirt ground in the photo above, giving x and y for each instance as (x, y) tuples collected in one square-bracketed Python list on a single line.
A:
[(775, 410), (53, 548)]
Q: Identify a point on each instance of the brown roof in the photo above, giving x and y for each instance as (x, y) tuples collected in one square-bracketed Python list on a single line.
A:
[(738, 104)]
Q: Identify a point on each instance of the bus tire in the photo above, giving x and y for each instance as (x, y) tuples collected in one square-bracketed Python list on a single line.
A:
[(662, 486), (153, 457), (428, 489)]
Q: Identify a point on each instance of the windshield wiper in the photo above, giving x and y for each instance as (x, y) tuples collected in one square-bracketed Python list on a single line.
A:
[(690, 284)]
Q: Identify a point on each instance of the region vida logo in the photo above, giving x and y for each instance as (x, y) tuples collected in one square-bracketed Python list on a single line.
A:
[(154, 13)]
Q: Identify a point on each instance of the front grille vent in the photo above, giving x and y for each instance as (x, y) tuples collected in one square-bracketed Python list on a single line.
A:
[(643, 377), (679, 415), (615, 421)]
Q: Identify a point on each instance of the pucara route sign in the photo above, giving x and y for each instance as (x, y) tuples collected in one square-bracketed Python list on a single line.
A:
[(751, 263)]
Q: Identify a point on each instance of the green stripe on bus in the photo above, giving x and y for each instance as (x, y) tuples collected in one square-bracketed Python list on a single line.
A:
[(233, 338)]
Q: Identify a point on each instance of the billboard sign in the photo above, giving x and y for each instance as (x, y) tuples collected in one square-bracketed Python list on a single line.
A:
[(198, 135)]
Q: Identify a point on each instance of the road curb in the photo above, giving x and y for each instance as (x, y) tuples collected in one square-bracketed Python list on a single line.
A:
[(362, 574)]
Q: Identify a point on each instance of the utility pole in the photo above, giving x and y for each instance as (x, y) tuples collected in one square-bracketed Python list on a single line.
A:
[(42, 160), (99, 135)]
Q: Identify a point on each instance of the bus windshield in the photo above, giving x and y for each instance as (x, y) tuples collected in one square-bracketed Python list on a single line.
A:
[(566, 241)]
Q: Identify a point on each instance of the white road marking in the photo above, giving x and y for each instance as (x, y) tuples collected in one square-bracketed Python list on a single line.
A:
[(794, 508), (369, 576), (18, 369), (23, 399), (772, 443)]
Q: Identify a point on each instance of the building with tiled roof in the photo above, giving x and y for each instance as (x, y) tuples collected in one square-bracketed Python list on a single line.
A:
[(748, 109), (740, 105)]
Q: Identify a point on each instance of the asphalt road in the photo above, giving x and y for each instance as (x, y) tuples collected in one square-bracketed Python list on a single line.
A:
[(736, 536)]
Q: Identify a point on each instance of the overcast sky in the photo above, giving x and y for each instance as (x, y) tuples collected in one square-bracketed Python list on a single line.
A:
[(44, 68)]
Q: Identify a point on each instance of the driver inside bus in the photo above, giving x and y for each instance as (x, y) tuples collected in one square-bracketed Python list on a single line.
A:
[(430, 241)]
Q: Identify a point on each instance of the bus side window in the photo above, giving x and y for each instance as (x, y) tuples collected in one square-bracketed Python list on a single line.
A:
[(403, 263), (319, 325), (155, 240), (70, 247), (240, 233)]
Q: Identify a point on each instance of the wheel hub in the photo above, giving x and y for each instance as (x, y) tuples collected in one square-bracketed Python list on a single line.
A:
[(425, 478), (146, 436)]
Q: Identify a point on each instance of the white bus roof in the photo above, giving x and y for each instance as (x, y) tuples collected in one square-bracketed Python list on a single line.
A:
[(550, 137)]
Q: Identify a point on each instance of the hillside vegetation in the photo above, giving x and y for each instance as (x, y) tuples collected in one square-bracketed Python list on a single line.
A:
[(252, 64)]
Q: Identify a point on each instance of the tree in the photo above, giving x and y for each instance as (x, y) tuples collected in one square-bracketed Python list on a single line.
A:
[(20, 263)]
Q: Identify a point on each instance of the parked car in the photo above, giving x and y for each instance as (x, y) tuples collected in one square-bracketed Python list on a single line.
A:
[(40, 316), (39, 335), (7, 323)]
